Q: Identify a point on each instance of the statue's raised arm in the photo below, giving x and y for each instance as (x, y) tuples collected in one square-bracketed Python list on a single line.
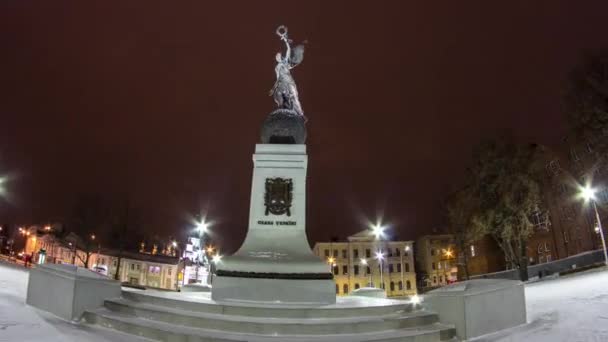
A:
[(284, 91)]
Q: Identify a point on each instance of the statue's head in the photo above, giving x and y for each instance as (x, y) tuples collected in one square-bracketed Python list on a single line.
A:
[(278, 57)]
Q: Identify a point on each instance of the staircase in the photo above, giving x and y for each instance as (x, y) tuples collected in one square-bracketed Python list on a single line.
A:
[(194, 317)]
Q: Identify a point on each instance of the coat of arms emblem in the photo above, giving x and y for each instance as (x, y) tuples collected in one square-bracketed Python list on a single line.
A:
[(278, 196)]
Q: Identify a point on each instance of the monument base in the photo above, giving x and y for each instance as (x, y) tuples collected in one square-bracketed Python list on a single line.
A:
[(292, 291)]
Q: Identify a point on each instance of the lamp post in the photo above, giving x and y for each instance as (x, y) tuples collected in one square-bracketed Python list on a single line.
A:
[(380, 257), (364, 263), (588, 194), (378, 232)]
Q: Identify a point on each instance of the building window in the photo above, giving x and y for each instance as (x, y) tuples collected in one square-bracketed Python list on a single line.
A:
[(390, 268), (407, 267), (433, 265), (439, 265), (392, 286), (345, 269), (368, 253), (568, 213), (398, 268), (132, 267), (327, 253), (432, 251), (114, 263), (368, 270), (441, 279), (573, 155), (407, 251), (472, 250), (344, 254), (390, 252), (169, 271), (337, 289), (356, 269), (400, 285), (356, 286), (356, 253), (335, 253), (345, 288), (408, 285), (397, 252), (138, 267), (336, 271), (553, 167), (434, 279), (539, 221)]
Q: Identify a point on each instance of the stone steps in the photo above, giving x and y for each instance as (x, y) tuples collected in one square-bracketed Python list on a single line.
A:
[(194, 317), (163, 331), (283, 326), (200, 302)]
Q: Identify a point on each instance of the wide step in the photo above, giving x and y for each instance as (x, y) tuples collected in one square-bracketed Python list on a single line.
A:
[(163, 331), (269, 326), (351, 307)]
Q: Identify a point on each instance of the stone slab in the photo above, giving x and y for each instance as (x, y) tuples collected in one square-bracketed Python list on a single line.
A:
[(67, 290), (479, 307)]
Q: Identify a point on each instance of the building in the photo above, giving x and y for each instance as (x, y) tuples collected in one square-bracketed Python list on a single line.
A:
[(154, 271), (567, 227), (148, 270), (483, 256), (436, 260), (355, 264)]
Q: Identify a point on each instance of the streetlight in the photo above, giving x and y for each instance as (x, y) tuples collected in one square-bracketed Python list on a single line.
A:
[(201, 227), (92, 236), (378, 231), (588, 194), (380, 257)]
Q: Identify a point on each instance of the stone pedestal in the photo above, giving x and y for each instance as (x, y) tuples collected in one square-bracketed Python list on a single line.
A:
[(67, 290), (479, 307), (275, 262)]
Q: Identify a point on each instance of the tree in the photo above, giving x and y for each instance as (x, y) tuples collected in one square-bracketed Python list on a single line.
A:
[(502, 194), (88, 217), (461, 206), (123, 228), (586, 101)]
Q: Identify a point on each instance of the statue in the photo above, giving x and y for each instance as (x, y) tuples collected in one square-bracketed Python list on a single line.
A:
[(284, 91)]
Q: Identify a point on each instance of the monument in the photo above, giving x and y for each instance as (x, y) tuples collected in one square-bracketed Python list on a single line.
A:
[(273, 288), (275, 262)]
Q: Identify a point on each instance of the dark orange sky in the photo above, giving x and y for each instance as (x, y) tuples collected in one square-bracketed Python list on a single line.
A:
[(163, 101)]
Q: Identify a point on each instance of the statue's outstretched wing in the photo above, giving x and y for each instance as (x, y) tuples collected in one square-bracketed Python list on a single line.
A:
[(297, 55)]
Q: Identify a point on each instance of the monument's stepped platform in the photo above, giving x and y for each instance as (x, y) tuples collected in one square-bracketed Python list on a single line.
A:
[(189, 317)]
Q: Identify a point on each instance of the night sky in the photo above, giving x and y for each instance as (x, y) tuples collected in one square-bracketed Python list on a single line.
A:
[(161, 102)]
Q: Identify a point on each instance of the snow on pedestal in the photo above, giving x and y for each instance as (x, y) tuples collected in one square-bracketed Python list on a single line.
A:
[(275, 262)]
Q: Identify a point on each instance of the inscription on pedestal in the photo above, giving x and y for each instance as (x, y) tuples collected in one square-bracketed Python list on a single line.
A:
[(278, 223)]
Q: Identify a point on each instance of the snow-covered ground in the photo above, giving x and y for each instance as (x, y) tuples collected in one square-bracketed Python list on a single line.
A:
[(20, 322), (572, 309)]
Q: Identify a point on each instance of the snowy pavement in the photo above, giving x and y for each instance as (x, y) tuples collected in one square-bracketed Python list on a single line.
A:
[(20, 322), (573, 309)]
